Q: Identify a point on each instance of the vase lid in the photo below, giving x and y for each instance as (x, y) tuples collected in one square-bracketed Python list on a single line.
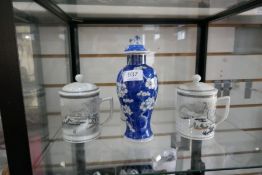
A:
[(197, 87), (136, 46), (79, 88)]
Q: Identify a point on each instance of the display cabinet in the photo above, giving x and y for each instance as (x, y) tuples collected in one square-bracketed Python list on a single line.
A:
[(44, 44)]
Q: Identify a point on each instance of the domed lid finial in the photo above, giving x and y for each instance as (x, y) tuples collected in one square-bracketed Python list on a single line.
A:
[(196, 78), (196, 87), (136, 46), (79, 78), (138, 40), (79, 88)]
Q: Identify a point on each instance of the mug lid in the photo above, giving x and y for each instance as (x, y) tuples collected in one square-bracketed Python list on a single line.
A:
[(79, 88), (197, 87)]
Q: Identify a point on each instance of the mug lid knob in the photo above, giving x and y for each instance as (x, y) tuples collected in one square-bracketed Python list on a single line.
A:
[(79, 78), (197, 87), (79, 88), (196, 78)]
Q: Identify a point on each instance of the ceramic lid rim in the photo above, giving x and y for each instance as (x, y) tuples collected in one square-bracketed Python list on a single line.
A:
[(79, 93), (78, 87), (95, 89), (210, 90), (198, 92)]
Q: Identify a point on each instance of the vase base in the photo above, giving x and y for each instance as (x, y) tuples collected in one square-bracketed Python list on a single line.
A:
[(139, 140)]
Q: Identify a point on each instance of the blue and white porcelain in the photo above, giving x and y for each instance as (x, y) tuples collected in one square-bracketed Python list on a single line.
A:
[(137, 88)]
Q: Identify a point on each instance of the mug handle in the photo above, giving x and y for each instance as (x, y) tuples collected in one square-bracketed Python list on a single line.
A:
[(225, 115), (110, 99)]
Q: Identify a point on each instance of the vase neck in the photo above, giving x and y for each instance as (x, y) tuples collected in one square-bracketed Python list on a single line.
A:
[(136, 59)]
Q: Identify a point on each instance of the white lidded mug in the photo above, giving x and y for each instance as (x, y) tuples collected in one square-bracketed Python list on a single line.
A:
[(80, 110), (196, 116)]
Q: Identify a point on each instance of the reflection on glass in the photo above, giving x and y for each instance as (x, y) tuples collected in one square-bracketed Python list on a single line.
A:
[(33, 92), (3, 157), (43, 57), (235, 69)]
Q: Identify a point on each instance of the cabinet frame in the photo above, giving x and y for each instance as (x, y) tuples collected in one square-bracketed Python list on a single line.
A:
[(12, 106)]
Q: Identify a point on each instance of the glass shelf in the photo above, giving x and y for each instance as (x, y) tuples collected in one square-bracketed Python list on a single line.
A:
[(141, 8), (253, 16), (231, 148)]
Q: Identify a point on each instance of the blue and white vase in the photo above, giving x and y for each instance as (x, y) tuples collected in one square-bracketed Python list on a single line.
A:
[(137, 88)]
